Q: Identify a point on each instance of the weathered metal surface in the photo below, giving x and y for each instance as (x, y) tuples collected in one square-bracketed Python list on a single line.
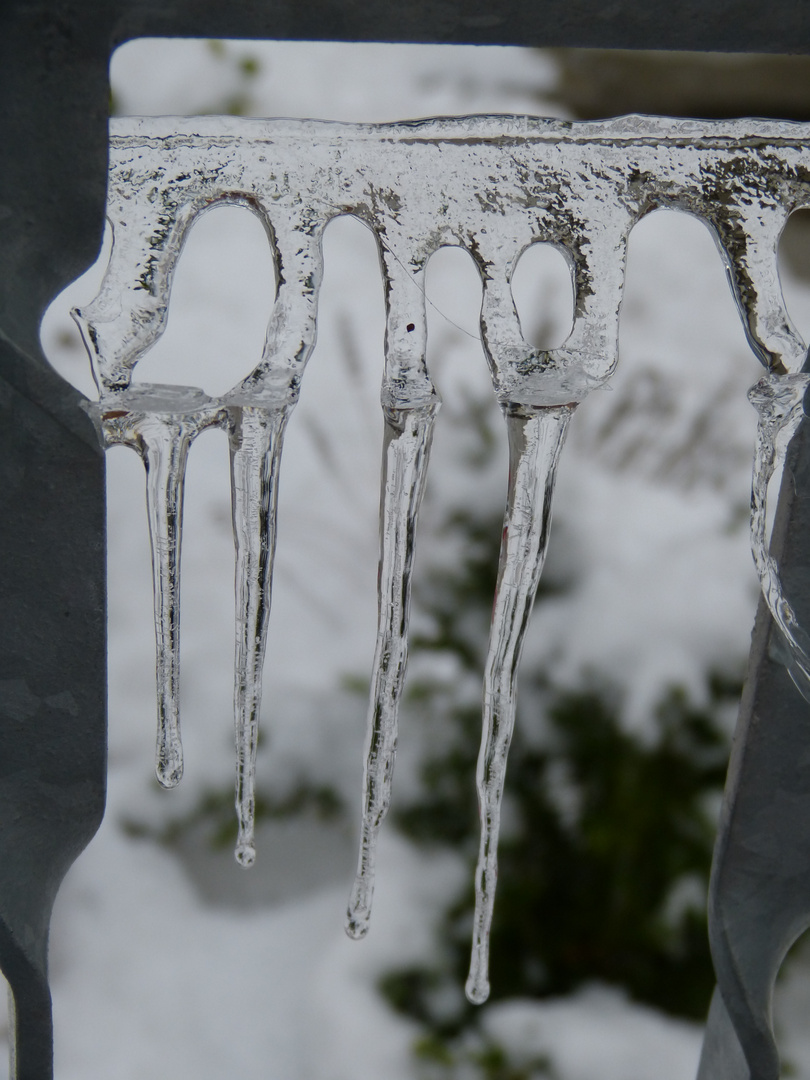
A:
[(52, 679), (52, 564)]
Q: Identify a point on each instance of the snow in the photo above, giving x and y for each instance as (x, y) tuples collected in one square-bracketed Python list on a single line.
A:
[(158, 972), (597, 1032), (149, 980)]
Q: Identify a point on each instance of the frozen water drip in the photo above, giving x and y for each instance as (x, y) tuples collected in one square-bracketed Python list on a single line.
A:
[(493, 185), (256, 435), (536, 436)]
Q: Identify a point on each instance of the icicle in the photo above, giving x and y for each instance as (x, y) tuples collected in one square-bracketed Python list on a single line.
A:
[(778, 400), (535, 439), (408, 433), (165, 453), (161, 422), (256, 437)]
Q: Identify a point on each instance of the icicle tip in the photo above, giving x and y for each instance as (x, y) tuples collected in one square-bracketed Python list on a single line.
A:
[(245, 855), (169, 772), (476, 990)]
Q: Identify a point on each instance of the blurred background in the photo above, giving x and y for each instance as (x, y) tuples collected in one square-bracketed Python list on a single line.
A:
[(167, 959)]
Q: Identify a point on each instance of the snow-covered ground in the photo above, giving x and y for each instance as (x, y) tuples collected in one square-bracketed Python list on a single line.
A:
[(172, 967)]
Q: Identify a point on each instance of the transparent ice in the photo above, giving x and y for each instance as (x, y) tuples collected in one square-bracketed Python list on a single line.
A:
[(536, 435), (493, 185), (779, 401), (255, 435), (407, 438), (161, 422)]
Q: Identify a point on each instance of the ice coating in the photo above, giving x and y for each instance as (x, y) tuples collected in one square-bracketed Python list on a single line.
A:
[(779, 401), (408, 434), (493, 185), (160, 423), (255, 435), (536, 436)]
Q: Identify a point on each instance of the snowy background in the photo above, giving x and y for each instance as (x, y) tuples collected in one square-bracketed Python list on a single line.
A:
[(168, 960)]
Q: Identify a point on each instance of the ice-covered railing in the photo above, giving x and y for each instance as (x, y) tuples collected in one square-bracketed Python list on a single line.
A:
[(492, 185)]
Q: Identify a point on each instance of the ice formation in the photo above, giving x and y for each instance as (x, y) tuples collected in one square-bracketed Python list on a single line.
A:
[(405, 457), (493, 185), (536, 436), (779, 401)]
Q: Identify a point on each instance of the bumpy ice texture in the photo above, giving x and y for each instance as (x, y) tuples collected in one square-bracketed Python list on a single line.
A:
[(493, 185)]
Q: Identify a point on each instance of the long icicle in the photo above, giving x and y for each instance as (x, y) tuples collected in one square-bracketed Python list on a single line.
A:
[(406, 449), (535, 438), (256, 436), (160, 423), (164, 441)]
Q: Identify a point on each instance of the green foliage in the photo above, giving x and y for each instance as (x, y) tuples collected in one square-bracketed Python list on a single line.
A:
[(244, 69), (585, 881), (214, 811), (604, 869), (486, 1060), (241, 73)]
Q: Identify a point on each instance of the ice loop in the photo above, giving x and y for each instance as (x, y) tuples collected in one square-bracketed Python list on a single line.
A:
[(493, 185)]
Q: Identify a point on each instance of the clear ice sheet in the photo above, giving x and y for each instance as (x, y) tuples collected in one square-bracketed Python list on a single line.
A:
[(493, 185)]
